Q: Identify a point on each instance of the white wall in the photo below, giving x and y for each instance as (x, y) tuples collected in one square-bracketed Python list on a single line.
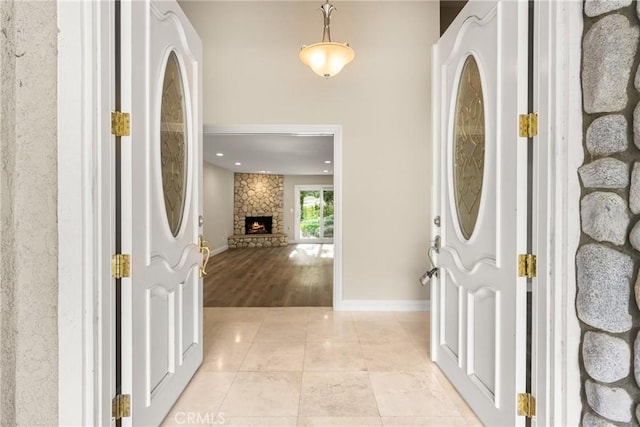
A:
[(382, 100), (218, 206), (290, 181)]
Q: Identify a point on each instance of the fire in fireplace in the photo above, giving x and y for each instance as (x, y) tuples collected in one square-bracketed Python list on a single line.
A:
[(258, 224)]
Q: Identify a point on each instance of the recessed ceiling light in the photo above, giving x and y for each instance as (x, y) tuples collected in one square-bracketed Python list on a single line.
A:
[(327, 162), (325, 171), (219, 154), (238, 163)]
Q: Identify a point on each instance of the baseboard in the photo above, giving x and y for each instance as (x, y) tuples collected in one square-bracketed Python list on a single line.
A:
[(383, 305), (219, 250)]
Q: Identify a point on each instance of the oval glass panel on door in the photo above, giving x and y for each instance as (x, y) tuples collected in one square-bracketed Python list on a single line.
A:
[(173, 145), (468, 146)]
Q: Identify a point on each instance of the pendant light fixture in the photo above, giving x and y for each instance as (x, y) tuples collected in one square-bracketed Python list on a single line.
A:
[(326, 58)]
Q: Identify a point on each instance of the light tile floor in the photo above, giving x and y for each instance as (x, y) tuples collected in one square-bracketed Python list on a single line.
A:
[(316, 367)]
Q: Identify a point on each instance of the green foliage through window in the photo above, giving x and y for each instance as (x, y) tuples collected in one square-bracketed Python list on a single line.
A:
[(316, 207)]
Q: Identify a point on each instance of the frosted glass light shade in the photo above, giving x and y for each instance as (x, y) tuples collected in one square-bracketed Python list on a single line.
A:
[(326, 59)]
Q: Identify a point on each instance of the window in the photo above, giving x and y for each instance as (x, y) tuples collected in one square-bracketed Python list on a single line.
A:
[(314, 214)]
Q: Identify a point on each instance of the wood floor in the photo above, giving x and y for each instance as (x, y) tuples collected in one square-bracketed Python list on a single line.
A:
[(290, 276)]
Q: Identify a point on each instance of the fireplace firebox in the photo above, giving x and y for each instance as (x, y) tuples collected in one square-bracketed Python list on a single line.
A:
[(258, 224)]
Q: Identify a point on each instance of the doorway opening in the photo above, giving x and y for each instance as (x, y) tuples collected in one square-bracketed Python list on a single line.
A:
[(262, 259)]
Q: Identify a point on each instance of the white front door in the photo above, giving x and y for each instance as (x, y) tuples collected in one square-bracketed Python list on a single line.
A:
[(161, 205), (480, 205)]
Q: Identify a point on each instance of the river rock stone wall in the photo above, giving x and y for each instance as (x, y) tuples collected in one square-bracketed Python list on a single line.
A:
[(258, 195), (607, 261), (257, 241)]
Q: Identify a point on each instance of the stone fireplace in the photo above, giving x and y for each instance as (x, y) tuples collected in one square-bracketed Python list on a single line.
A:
[(258, 211)]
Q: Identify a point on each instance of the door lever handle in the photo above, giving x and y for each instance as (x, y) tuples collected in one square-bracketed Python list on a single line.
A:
[(426, 277), (203, 248)]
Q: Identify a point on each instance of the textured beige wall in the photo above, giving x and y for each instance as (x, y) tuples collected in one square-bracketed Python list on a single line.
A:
[(28, 230), (290, 182), (382, 100), (7, 134), (218, 205)]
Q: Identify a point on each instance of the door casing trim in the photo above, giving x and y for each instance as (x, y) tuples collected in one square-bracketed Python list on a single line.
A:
[(558, 153), (86, 296)]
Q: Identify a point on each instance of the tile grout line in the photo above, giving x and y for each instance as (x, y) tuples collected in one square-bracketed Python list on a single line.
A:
[(304, 357), (237, 371), (368, 372)]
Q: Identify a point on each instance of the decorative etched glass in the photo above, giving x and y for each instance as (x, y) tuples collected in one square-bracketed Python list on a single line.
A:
[(468, 146), (173, 148)]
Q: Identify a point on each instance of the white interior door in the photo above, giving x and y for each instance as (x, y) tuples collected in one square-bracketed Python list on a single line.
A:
[(161, 206), (480, 197)]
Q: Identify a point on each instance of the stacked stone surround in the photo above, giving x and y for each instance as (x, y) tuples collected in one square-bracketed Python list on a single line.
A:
[(607, 260), (258, 241), (258, 195)]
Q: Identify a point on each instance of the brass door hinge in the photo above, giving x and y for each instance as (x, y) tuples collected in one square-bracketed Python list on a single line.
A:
[(526, 405), (121, 406), (528, 125), (120, 123), (120, 266), (527, 266)]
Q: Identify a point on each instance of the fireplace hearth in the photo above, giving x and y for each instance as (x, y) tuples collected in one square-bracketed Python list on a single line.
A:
[(258, 224)]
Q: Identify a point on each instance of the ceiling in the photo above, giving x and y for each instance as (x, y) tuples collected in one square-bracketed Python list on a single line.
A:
[(270, 153)]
